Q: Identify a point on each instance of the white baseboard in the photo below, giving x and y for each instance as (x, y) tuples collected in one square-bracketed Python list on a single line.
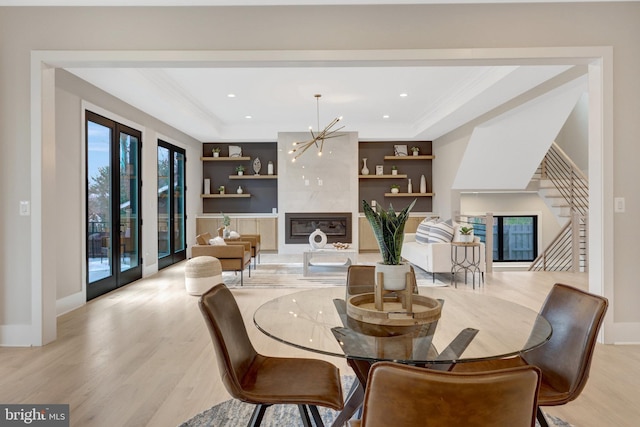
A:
[(71, 302)]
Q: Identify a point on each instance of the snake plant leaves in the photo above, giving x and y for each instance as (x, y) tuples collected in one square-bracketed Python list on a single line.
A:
[(388, 228)]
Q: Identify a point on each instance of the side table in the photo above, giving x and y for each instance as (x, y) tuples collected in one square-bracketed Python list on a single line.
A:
[(466, 257)]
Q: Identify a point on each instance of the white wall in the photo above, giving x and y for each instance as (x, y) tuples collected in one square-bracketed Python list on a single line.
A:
[(574, 135)]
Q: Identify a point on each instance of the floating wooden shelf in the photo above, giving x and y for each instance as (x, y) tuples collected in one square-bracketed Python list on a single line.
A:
[(224, 159), (400, 175), (422, 157), (225, 196), (253, 176), (409, 194)]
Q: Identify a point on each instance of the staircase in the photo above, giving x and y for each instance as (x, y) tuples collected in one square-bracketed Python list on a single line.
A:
[(565, 190)]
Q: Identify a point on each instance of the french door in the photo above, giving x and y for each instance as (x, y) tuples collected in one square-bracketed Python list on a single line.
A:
[(171, 204), (113, 256)]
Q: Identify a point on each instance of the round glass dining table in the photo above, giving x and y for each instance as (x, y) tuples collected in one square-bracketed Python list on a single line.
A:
[(471, 327)]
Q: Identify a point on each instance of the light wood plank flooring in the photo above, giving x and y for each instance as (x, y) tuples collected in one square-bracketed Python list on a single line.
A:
[(141, 356)]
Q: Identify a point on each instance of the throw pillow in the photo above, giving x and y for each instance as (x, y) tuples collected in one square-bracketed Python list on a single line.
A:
[(422, 232), (217, 241), (234, 235), (440, 232)]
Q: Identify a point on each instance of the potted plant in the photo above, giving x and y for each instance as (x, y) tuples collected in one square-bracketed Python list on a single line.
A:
[(388, 228), (466, 234), (221, 189), (415, 150), (226, 221), (240, 170), (216, 152), (394, 170), (395, 188)]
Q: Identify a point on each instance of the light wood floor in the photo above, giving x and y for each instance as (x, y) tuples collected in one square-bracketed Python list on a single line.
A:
[(141, 356)]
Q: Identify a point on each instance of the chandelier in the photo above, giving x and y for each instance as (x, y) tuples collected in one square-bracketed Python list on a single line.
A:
[(317, 138)]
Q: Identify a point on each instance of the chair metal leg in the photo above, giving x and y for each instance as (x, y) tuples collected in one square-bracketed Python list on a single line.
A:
[(258, 414), (306, 421), (241, 278), (316, 415), (541, 419)]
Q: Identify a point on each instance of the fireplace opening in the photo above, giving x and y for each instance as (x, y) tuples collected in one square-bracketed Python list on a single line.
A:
[(298, 226)]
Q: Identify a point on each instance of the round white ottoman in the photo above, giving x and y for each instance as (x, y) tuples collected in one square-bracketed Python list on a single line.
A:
[(201, 274)]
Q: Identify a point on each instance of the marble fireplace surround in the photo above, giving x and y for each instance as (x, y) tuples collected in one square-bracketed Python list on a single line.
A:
[(312, 184)]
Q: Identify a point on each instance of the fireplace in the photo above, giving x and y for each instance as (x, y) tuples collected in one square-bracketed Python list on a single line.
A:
[(336, 225)]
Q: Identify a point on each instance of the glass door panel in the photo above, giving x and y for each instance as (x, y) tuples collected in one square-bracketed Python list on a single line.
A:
[(129, 209), (99, 225), (171, 204), (179, 203), (164, 204)]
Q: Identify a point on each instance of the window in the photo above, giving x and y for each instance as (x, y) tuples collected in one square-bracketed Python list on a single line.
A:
[(515, 238)]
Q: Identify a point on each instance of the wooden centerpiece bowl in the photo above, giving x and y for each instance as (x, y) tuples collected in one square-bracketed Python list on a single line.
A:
[(424, 310)]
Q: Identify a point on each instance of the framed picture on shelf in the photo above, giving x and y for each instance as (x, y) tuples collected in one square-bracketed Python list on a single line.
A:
[(235, 151), (379, 170), (400, 150)]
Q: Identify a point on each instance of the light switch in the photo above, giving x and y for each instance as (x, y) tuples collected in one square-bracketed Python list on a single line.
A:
[(25, 208), (619, 204)]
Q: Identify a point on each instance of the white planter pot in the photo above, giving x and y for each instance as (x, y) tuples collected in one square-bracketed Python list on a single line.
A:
[(466, 238), (394, 276), (395, 190)]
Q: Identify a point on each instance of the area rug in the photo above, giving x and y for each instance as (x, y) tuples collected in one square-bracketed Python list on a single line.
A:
[(290, 275), (233, 413)]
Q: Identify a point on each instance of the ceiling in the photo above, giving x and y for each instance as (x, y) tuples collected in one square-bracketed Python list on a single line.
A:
[(269, 100)]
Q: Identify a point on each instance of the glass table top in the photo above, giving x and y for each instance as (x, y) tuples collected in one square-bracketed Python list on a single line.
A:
[(471, 327)]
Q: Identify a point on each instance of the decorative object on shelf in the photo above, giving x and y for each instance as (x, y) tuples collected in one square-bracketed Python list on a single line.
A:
[(374, 204), (221, 189), (400, 150), (409, 187), (216, 152), (379, 170), (235, 151), (270, 168), (365, 169), (313, 239), (240, 170), (257, 164), (466, 234), (394, 170), (415, 150), (207, 186), (423, 184), (239, 190), (395, 188), (388, 228), (317, 138)]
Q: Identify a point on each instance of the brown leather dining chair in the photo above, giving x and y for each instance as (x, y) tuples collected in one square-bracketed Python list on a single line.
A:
[(263, 380), (565, 360), (407, 396)]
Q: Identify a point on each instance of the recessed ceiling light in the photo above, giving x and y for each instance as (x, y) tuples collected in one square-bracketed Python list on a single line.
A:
[(386, 116), (404, 95), (231, 95), (248, 117)]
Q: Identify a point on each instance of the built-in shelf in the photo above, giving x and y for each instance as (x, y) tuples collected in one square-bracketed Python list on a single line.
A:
[(225, 196), (224, 159), (253, 176), (423, 157), (400, 175), (408, 194)]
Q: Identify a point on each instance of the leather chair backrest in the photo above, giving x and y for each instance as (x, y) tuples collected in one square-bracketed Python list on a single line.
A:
[(576, 317), (231, 342), (403, 396)]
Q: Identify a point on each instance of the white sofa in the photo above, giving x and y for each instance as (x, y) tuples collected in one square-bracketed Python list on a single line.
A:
[(433, 257)]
